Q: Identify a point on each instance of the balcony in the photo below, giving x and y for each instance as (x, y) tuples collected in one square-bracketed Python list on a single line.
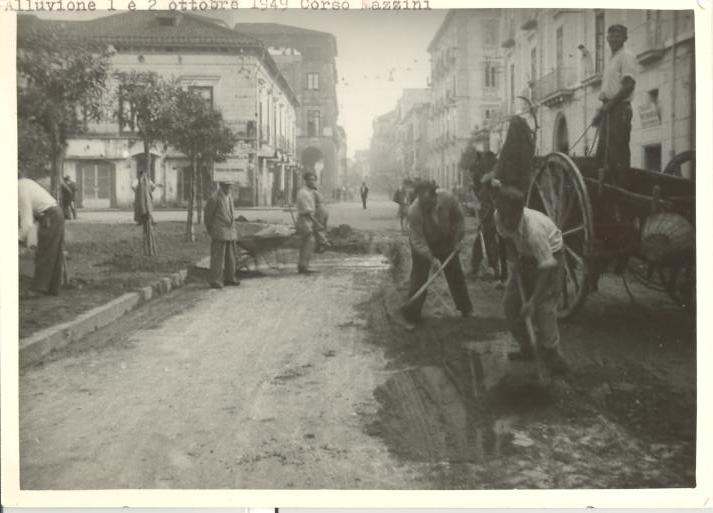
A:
[(650, 40), (554, 88)]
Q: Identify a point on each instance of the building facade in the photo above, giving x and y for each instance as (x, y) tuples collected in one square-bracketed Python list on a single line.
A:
[(555, 58), (383, 152), (412, 134), (231, 71), (466, 89), (313, 77)]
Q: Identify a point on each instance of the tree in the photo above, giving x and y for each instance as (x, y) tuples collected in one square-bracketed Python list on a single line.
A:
[(199, 132), (146, 105), (60, 87)]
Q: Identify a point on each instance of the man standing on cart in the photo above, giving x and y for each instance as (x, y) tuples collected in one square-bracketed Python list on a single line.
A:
[(614, 116), (613, 153)]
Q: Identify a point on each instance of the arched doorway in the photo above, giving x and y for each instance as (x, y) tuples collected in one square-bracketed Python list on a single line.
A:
[(561, 135), (313, 160)]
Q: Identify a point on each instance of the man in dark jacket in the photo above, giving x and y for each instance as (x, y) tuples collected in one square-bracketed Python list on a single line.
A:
[(220, 223)]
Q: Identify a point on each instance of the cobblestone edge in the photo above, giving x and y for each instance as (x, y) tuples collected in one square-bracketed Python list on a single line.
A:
[(33, 348)]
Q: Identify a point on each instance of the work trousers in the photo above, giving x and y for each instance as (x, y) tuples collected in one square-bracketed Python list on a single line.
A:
[(222, 261), (613, 150), (544, 318), (305, 232), (49, 259), (322, 217), (420, 268), (363, 202)]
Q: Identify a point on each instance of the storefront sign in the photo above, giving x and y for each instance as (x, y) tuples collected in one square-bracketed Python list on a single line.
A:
[(649, 115)]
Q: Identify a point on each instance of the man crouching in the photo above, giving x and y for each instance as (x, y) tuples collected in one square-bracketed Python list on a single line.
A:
[(437, 229), (535, 255)]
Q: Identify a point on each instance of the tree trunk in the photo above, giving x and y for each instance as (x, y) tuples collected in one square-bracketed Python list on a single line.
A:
[(199, 194), (149, 236), (56, 168), (190, 233)]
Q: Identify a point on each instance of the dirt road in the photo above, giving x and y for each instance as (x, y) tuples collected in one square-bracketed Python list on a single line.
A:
[(306, 382)]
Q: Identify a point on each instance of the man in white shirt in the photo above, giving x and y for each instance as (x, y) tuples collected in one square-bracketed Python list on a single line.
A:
[(36, 204), (614, 115), (307, 222), (534, 248)]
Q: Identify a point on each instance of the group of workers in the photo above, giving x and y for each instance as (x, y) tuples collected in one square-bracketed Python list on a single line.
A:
[(531, 241)]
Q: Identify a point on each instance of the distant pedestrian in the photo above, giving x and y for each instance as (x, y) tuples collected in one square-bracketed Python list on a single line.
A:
[(35, 203), (69, 193), (437, 228), (220, 223), (535, 253), (307, 222), (364, 192)]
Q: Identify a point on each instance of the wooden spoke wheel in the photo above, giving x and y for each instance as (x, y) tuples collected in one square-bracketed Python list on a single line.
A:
[(558, 190)]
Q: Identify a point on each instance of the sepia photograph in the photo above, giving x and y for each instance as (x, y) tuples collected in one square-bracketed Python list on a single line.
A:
[(392, 247)]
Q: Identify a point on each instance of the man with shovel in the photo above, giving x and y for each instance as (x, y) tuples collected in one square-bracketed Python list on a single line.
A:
[(437, 228), (535, 254)]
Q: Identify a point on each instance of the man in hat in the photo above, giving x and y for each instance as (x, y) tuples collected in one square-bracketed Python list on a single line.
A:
[(307, 223), (437, 228), (536, 257), (614, 116), (220, 223), (36, 204)]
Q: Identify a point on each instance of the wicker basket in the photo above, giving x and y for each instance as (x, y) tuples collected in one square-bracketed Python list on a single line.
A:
[(667, 237)]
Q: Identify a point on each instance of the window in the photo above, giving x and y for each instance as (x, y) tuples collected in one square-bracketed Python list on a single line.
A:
[(490, 75), (205, 92), (533, 64), (491, 34), (313, 81), (127, 117), (652, 157), (599, 43), (313, 124)]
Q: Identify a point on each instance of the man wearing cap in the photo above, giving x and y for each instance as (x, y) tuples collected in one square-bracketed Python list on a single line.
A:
[(614, 115), (35, 203), (437, 228), (307, 222), (69, 193), (220, 223)]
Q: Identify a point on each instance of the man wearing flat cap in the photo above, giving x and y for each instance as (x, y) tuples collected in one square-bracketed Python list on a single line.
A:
[(220, 223), (614, 115)]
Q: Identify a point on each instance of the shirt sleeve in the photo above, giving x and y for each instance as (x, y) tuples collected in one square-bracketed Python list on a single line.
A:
[(498, 226), (305, 203), (24, 205), (628, 66)]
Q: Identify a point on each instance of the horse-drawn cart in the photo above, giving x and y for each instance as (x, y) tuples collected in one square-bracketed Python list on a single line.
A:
[(643, 221)]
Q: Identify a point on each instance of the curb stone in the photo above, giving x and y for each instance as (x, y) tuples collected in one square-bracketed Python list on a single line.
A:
[(34, 347)]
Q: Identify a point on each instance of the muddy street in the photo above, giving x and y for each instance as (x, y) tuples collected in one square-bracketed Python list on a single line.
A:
[(307, 382)]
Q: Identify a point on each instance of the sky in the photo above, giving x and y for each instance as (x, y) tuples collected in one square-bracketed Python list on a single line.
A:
[(371, 48)]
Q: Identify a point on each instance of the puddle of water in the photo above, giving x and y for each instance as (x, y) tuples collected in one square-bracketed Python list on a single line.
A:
[(423, 417)]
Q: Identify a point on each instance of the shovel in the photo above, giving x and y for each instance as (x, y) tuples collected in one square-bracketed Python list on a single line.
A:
[(433, 276), (531, 333)]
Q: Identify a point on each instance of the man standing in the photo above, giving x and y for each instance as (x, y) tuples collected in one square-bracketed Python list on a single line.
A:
[(403, 199), (69, 193), (322, 216), (220, 223), (535, 254), (306, 223), (34, 202), (437, 228), (364, 191), (614, 115)]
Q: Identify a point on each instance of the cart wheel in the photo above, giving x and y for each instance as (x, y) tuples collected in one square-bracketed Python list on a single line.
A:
[(559, 191)]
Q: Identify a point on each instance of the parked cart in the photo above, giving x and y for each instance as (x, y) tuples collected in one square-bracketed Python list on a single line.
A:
[(656, 243)]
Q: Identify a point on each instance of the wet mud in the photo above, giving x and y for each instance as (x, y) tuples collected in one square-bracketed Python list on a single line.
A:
[(455, 403)]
